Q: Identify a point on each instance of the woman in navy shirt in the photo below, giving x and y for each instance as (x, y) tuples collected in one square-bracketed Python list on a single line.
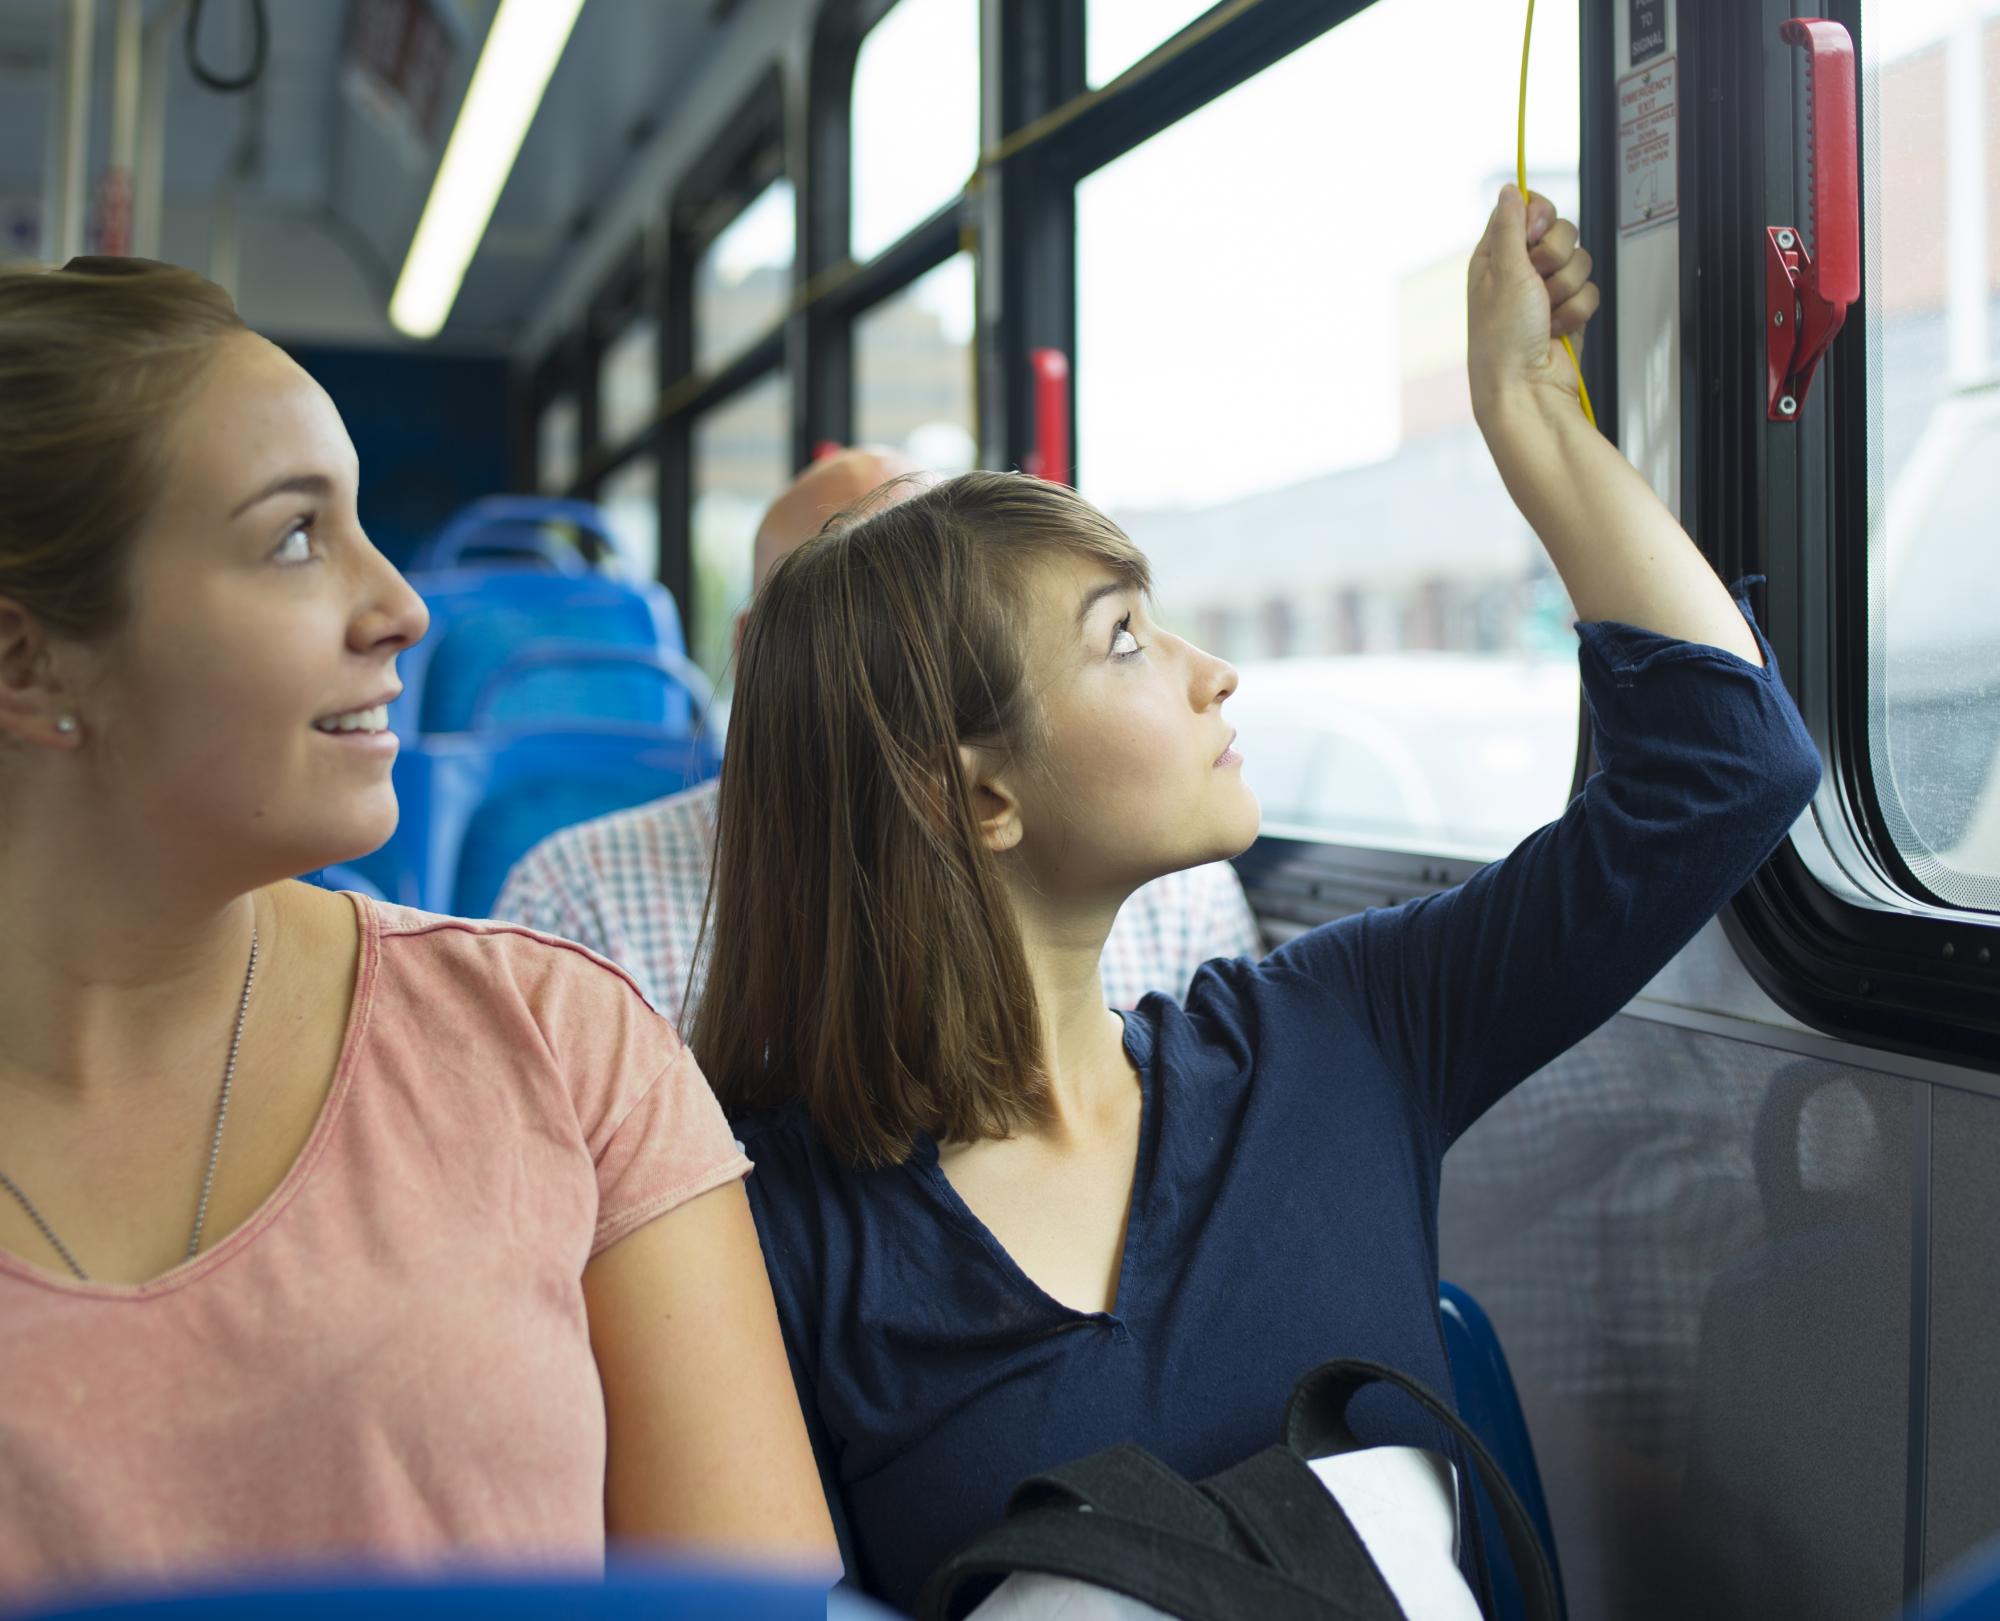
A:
[(1007, 1227)]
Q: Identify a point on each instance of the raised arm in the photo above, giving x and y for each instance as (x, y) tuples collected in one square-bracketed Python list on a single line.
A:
[(1619, 551), (1705, 762)]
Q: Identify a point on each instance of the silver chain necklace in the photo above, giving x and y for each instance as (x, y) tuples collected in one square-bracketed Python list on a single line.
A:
[(214, 1144)]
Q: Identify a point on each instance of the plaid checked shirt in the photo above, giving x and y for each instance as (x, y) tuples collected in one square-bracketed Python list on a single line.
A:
[(631, 886)]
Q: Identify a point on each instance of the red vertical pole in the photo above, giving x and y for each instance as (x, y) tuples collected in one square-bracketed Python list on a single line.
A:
[(1050, 459)]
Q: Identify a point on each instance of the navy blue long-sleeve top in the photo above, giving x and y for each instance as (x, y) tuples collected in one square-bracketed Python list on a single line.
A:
[(1295, 1114)]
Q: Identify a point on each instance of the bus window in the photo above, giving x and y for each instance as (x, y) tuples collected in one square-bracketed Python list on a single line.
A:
[(913, 370), (742, 283), (1930, 119), (740, 458), (1120, 32), (630, 497), (556, 433), (628, 381), (915, 116), (1271, 399)]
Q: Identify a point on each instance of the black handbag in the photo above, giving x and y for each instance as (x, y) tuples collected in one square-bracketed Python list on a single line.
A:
[(1262, 1540)]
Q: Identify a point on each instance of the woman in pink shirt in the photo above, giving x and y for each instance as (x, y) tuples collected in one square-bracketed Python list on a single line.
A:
[(327, 1229)]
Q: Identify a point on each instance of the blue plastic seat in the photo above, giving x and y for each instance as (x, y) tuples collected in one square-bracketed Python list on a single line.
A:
[(481, 618), (474, 804), (557, 683), (527, 528), (650, 1592), (659, 716), (1484, 1386), (1969, 1591)]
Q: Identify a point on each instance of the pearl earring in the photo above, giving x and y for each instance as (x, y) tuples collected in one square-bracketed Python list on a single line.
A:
[(66, 724)]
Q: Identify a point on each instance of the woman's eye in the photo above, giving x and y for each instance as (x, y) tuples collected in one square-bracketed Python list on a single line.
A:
[(1123, 643), (297, 546)]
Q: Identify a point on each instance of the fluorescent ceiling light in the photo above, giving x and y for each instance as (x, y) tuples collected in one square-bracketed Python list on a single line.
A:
[(521, 51)]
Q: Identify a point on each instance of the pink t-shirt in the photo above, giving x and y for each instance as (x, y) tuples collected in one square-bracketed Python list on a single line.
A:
[(390, 1359)]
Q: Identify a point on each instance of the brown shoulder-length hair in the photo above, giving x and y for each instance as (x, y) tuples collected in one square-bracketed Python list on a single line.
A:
[(96, 361), (865, 963)]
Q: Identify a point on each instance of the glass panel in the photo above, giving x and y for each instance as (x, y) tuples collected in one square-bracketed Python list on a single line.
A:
[(628, 382), (741, 461), (743, 282), (1299, 457), (913, 370), (556, 445), (631, 501), (915, 118), (1119, 32), (1931, 94), (1696, 1254)]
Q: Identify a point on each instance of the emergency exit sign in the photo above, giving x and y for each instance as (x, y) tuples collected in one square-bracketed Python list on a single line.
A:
[(1649, 29)]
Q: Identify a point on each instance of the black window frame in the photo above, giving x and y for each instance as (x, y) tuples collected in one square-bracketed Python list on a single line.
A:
[(1790, 500), (559, 373), (836, 291), (633, 291), (748, 154)]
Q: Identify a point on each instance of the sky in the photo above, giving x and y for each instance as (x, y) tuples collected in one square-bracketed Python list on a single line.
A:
[(1278, 223), (761, 235), (1893, 28), (1122, 31), (916, 117)]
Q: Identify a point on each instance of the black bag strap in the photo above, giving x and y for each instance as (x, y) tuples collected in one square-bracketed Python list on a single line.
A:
[(1284, 1512), (1197, 1581), (1316, 1425), (1128, 1481), (1264, 1538)]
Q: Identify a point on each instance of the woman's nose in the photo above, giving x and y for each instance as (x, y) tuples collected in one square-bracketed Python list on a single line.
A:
[(394, 616), (1214, 678)]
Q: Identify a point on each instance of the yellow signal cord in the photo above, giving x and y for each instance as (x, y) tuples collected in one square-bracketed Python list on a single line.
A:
[(1521, 170)]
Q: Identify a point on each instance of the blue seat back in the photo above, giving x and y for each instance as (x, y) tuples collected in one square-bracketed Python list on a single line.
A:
[(522, 548), (481, 618), (1969, 1591), (1484, 1386), (554, 683), (479, 802), (650, 1592), (529, 527)]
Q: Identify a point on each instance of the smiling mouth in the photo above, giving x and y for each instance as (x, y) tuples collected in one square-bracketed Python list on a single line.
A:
[(373, 719)]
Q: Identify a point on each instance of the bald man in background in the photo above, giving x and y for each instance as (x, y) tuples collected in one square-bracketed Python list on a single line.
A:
[(631, 886)]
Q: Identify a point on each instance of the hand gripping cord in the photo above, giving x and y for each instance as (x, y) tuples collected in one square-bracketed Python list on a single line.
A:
[(1521, 170)]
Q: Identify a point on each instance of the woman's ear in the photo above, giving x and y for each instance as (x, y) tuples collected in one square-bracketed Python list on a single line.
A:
[(993, 801), (33, 706)]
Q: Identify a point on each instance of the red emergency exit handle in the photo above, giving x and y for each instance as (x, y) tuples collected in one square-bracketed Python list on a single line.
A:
[(1836, 218), (1050, 457), (1808, 290)]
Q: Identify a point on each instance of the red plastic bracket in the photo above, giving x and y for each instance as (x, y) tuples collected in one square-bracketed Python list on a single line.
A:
[(1050, 457), (1806, 294)]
